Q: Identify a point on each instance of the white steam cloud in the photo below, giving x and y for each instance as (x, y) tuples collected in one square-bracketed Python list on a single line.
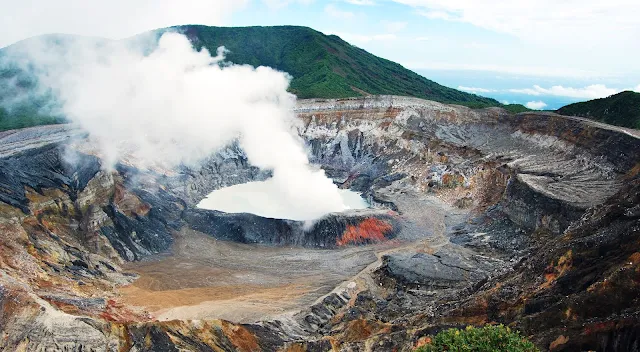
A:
[(536, 105), (176, 105)]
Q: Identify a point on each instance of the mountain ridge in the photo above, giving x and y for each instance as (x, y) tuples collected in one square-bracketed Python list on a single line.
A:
[(322, 66), (621, 109)]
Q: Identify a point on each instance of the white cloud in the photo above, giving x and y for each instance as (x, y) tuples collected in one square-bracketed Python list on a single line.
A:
[(436, 15), (394, 26), (422, 39), (476, 45), (637, 88), (593, 91), (361, 2), (540, 71), (475, 89), (563, 35), (277, 4), (335, 12), (535, 105), (359, 39), (584, 20), (110, 19)]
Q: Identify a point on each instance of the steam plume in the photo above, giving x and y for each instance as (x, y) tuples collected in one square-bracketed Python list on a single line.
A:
[(176, 105)]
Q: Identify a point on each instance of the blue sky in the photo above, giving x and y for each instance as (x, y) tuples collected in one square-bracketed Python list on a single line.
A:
[(545, 53), (505, 64)]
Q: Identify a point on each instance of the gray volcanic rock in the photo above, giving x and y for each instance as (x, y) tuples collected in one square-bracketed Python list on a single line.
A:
[(16, 141), (532, 210), (225, 168), (44, 167), (438, 270)]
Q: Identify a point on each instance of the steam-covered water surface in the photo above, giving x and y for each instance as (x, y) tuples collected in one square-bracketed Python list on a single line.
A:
[(262, 198)]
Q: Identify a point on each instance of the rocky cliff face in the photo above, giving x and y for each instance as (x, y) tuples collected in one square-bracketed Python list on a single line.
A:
[(529, 220)]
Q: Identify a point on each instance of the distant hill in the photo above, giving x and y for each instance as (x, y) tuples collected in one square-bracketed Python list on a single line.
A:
[(322, 66), (622, 109)]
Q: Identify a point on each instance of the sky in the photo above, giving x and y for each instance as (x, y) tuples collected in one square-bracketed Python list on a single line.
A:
[(540, 53)]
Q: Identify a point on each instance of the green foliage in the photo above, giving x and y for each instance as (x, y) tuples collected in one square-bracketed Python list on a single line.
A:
[(15, 84), (622, 109), (25, 116), (17, 111), (516, 108), (323, 66), (489, 338)]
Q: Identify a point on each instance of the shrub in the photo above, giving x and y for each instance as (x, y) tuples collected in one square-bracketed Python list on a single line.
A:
[(489, 338)]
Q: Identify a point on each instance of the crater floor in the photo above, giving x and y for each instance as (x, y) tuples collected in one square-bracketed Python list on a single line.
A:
[(205, 278)]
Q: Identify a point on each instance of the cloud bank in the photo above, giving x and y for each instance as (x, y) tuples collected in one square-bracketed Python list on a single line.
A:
[(593, 91), (176, 105), (109, 19), (536, 105), (545, 20), (361, 2), (475, 89), (568, 38), (333, 11), (277, 4)]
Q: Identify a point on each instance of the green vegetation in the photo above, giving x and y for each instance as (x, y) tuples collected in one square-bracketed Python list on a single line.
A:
[(516, 108), (25, 116), (323, 66), (622, 109), (15, 110), (489, 338)]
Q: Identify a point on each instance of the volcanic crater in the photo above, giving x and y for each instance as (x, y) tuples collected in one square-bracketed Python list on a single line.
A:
[(476, 216)]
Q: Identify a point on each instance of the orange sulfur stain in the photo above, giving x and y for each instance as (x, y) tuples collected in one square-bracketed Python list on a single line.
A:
[(369, 230), (423, 341), (240, 337), (553, 272), (561, 340)]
